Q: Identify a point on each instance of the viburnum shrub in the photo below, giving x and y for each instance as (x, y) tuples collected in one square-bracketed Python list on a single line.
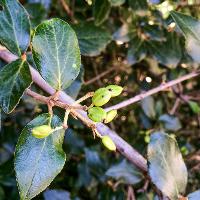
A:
[(51, 50)]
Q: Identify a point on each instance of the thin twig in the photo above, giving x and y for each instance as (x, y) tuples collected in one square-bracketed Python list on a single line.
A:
[(100, 75), (154, 91), (124, 148)]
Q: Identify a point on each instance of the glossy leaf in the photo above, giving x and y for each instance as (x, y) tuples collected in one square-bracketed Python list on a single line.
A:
[(101, 11), (190, 27), (92, 39), (38, 161), (14, 79), (56, 195), (125, 172), (194, 195), (166, 166), (14, 26), (171, 123), (56, 53)]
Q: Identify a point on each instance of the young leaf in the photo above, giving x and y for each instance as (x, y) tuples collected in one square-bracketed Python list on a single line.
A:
[(38, 161), (92, 39), (56, 53), (191, 30), (14, 79), (166, 166), (194, 195), (101, 11), (14, 26)]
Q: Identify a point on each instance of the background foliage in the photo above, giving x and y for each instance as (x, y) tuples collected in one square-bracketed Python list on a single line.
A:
[(134, 43)]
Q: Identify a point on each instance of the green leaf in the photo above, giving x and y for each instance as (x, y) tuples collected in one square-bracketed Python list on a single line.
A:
[(139, 6), (190, 27), (14, 79), (56, 53), (56, 195), (101, 11), (126, 172), (45, 3), (194, 106), (171, 123), (92, 39), (148, 107), (14, 26), (166, 166), (117, 2), (171, 47), (38, 161), (37, 13), (74, 89), (194, 196)]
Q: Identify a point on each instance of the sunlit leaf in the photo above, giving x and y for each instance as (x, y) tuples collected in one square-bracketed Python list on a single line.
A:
[(166, 166)]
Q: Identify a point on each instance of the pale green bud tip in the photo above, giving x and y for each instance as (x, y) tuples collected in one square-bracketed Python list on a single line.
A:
[(114, 90), (41, 131), (108, 143), (110, 116), (101, 97), (97, 114)]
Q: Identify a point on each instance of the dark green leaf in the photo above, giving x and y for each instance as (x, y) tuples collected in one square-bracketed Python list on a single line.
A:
[(148, 106), (171, 48), (137, 51), (14, 26), (125, 33), (166, 166), (117, 2), (101, 11), (139, 6), (45, 3), (37, 13), (74, 89), (56, 53), (56, 195), (194, 196), (171, 123), (38, 161), (190, 27), (92, 39), (126, 172), (14, 79)]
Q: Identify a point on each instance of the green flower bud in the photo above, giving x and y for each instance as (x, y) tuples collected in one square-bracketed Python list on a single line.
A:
[(110, 116), (114, 90), (108, 143), (101, 97), (97, 114), (42, 131)]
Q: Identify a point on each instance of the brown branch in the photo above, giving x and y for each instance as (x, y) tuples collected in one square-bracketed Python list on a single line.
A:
[(124, 148), (161, 87)]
